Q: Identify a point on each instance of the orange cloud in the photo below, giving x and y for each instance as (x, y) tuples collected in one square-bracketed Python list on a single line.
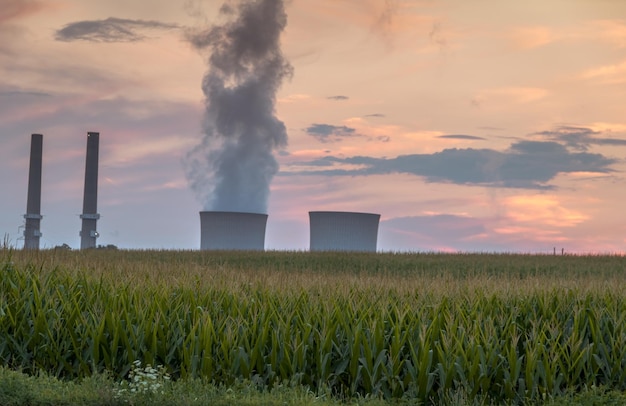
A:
[(608, 74), (608, 31), (385, 19), (512, 94), (542, 210), (175, 184), (612, 31), (531, 37), (16, 9), (608, 127), (294, 98), (531, 234)]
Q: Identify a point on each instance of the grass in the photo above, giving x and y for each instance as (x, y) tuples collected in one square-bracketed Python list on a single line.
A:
[(313, 328), (19, 389)]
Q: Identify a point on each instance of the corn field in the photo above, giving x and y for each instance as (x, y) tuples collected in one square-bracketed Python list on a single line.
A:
[(509, 328)]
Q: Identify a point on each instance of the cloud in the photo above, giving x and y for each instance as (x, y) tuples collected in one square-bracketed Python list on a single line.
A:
[(294, 98), (436, 36), (612, 31), (579, 138), (330, 133), (15, 9), (461, 137), (439, 232), (541, 209), (141, 147), (526, 165), (383, 25), (11, 31), (511, 94), (327, 133), (377, 115), (338, 98), (62, 118), (110, 30), (607, 74), (22, 93), (532, 37)]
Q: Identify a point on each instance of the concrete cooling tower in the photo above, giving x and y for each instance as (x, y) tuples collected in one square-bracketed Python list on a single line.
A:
[(343, 231), (33, 204), (225, 230)]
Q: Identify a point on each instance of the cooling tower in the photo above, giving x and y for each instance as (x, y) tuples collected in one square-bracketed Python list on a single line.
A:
[(225, 230), (33, 202), (90, 216), (343, 231)]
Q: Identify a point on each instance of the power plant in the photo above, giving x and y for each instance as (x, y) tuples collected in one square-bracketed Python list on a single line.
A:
[(232, 166), (219, 230), (343, 231), (225, 230), (90, 216), (33, 216)]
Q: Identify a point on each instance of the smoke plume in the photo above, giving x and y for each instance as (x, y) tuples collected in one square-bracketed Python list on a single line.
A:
[(232, 167)]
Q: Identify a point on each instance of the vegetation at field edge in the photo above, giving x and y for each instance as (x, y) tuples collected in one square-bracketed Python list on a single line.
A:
[(18, 389)]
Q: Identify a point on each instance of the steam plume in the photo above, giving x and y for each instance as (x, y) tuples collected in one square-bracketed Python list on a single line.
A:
[(231, 169)]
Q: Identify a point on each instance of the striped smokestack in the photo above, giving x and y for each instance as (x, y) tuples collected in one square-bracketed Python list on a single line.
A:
[(33, 203), (90, 216)]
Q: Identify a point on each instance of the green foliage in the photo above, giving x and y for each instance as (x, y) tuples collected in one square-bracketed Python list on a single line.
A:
[(19, 389), (428, 327), (590, 397)]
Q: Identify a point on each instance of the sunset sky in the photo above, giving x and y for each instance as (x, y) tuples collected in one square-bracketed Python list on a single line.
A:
[(475, 126)]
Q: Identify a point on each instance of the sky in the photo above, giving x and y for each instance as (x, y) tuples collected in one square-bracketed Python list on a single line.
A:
[(482, 126)]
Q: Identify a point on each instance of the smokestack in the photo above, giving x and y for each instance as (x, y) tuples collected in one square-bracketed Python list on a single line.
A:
[(90, 214), (343, 231), (33, 204), (224, 230)]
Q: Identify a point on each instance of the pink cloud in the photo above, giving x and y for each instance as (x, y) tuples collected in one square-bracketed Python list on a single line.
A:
[(542, 210), (511, 94), (17, 9), (611, 31), (532, 37), (607, 74)]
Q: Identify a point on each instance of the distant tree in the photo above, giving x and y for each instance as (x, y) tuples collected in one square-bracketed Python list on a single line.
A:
[(107, 247)]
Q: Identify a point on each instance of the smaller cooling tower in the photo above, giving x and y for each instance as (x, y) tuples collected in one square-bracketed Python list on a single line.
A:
[(226, 230), (343, 231)]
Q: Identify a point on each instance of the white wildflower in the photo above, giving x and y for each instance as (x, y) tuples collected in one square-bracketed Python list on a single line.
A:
[(144, 381)]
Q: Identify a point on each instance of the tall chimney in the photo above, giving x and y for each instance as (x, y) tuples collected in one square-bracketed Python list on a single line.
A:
[(33, 203), (90, 216)]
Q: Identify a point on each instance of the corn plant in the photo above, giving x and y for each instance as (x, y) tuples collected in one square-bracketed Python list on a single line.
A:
[(378, 326)]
